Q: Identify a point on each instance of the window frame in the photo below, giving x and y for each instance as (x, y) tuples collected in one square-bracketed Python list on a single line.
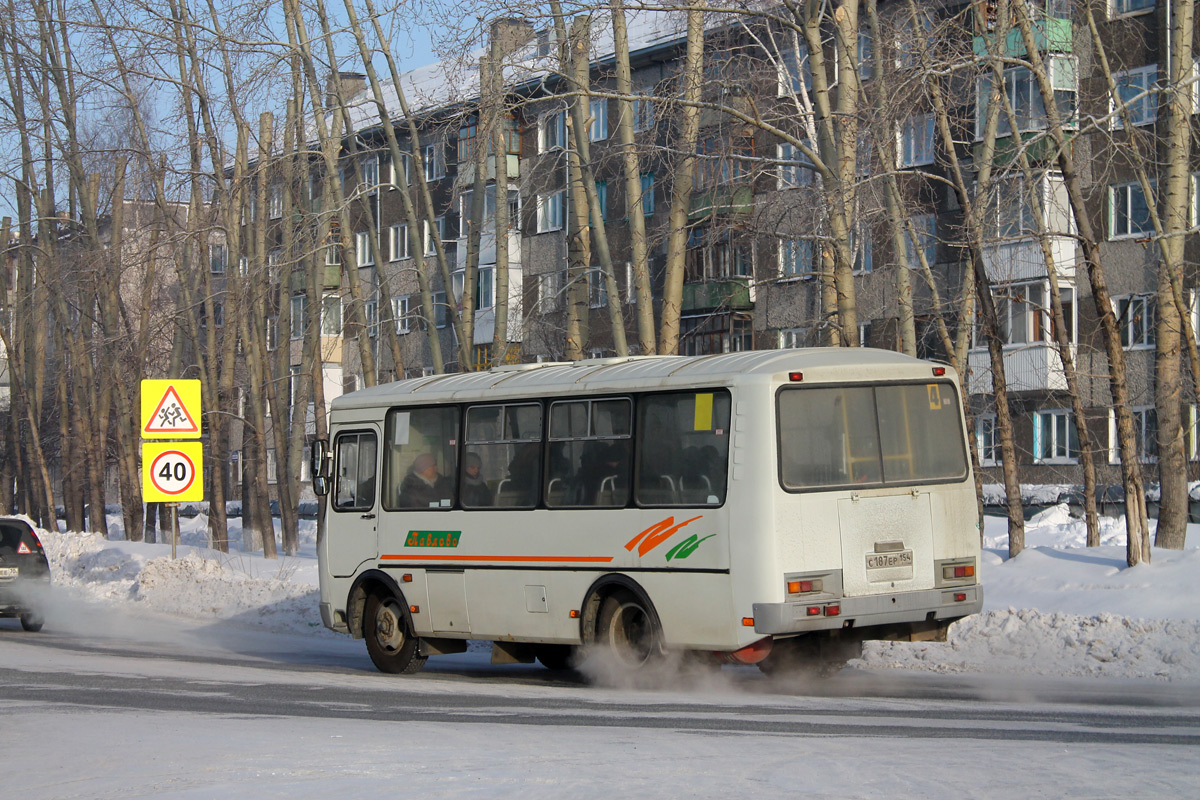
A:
[(1039, 418), (1144, 100)]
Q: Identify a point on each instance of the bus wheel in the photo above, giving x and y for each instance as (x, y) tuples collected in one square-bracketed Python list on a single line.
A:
[(390, 642), (558, 657), (31, 622), (627, 630)]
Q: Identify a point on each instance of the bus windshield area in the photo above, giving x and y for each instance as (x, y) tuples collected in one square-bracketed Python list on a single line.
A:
[(862, 436)]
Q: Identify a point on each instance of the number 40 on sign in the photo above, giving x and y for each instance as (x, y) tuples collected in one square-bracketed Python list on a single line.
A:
[(172, 472)]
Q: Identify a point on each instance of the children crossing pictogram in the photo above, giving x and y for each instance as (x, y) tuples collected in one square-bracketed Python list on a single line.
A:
[(170, 409)]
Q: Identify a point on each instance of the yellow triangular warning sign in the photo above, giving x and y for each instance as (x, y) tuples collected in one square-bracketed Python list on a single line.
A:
[(171, 416)]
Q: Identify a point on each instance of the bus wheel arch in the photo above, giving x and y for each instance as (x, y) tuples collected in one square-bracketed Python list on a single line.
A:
[(618, 617), (370, 582)]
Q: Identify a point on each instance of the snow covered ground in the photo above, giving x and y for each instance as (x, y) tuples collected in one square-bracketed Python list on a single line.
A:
[(1058, 609)]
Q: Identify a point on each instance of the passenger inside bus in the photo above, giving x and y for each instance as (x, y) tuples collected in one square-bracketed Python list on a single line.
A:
[(475, 491), (424, 486)]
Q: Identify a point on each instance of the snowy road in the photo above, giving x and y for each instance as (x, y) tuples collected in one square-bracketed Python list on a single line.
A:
[(225, 711)]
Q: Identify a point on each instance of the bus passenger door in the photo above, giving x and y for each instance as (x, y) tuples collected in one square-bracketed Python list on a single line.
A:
[(351, 526)]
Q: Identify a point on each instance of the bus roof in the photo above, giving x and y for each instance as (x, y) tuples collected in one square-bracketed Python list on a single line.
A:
[(819, 365)]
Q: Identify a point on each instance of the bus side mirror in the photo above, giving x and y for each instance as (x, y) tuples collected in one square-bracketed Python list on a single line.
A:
[(320, 462)]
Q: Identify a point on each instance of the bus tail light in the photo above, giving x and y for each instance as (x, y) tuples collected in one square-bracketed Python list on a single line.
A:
[(939, 372), (952, 572), (804, 587), (795, 377), (833, 610), (960, 597), (813, 611)]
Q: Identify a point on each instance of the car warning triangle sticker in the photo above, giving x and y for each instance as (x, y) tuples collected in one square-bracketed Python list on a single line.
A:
[(23, 549), (171, 416)]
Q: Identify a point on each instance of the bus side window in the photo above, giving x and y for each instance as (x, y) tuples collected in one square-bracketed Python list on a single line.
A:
[(683, 449), (589, 453), (355, 487), (420, 458), (502, 466)]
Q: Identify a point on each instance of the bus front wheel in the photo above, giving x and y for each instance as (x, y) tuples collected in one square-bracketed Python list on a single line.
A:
[(390, 641), (628, 630)]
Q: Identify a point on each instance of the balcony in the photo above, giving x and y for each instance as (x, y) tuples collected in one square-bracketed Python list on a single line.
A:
[(331, 275), (721, 200), (1023, 260), (1027, 368), (732, 294), (1052, 35)]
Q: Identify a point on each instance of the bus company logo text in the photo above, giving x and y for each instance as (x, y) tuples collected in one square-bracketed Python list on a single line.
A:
[(432, 539)]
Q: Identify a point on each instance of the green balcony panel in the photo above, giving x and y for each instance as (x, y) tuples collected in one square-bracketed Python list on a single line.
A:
[(706, 295), (1052, 35), (722, 200)]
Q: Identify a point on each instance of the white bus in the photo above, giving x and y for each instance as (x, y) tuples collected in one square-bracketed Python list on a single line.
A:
[(772, 507)]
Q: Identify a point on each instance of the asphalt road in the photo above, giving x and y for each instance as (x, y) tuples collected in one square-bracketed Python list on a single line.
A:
[(157, 664)]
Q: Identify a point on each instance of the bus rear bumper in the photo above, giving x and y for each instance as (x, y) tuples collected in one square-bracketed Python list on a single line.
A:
[(859, 613)]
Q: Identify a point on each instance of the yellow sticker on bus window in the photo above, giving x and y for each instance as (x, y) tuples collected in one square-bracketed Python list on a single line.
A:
[(935, 396), (704, 414)]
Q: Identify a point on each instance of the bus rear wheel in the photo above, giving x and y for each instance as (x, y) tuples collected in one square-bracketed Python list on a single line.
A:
[(628, 630), (390, 641)]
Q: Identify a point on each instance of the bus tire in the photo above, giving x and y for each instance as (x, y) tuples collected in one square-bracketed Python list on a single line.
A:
[(389, 637), (628, 630), (557, 657)]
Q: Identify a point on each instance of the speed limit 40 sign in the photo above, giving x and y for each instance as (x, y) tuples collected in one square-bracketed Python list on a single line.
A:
[(172, 472)]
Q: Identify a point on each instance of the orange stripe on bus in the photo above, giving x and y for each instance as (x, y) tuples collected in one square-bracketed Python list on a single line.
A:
[(565, 559)]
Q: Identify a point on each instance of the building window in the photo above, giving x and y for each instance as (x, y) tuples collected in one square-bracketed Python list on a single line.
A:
[(1135, 319), (331, 315), (441, 311), (1027, 104), (400, 313), (921, 239), (1135, 87), (218, 258), (987, 440), (1119, 7), (598, 129), (1145, 434), (333, 255), (647, 194), (915, 141), (597, 288), (299, 303), (795, 72), (1055, 440), (1129, 213), (398, 242), (791, 338), (369, 167), (552, 131), (551, 209), (1009, 213), (406, 169), (551, 287), (275, 201), (243, 266), (1023, 312), (795, 258), (439, 230), (643, 111), (795, 168), (271, 328), (907, 52), (466, 140), (862, 251), (362, 249), (371, 312), (866, 55), (435, 161)]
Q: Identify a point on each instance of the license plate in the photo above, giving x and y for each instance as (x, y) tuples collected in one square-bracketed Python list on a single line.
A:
[(896, 558), (9, 572)]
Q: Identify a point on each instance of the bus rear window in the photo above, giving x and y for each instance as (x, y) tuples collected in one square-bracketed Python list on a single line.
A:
[(870, 436)]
